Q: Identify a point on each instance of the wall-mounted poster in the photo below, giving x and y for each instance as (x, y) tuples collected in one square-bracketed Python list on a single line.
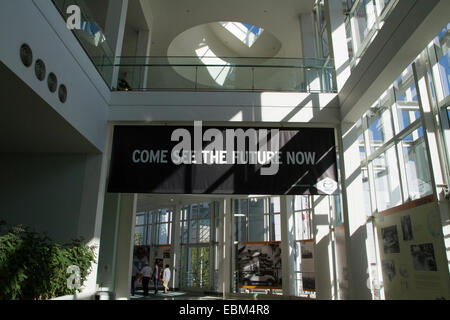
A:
[(390, 239), (423, 257), (259, 265), (420, 269)]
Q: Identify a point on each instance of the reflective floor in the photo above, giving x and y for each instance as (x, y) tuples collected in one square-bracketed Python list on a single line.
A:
[(173, 295)]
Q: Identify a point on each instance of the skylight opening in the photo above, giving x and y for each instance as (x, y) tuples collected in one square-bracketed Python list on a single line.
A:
[(246, 33)]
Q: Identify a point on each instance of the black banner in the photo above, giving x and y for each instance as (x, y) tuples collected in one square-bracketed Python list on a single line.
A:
[(223, 160)]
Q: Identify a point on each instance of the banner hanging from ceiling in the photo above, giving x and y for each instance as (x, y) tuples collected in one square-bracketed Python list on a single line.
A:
[(223, 160)]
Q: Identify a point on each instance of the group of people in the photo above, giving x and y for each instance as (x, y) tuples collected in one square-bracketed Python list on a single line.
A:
[(149, 273)]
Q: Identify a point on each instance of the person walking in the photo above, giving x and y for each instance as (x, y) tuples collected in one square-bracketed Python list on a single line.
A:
[(146, 275), (166, 279), (156, 276), (133, 279)]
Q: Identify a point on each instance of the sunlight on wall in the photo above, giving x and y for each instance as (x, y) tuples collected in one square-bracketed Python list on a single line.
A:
[(217, 68)]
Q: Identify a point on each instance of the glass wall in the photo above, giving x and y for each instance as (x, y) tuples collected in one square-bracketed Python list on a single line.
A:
[(199, 245), (153, 227), (364, 19), (395, 160), (257, 219)]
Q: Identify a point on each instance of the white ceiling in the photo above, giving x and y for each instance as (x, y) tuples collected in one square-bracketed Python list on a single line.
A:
[(279, 17)]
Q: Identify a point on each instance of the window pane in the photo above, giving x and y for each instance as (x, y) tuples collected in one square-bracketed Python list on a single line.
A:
[(256, 206), (193, 225), (163, 233), (184, 231), (379, 125), (164, 215), (240, 206), (416, 163), (240, 223), (256, 228), (205, 227), (149, 235), (407, 99), (363, 19), (139, 236), (203, 212), (193, 212), (386, 176), (140, 219), (275, 227), (275, 205), (301, 202), (303, 225)]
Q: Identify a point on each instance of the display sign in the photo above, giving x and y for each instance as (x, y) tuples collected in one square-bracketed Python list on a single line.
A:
[(223, 160), (412, 251)]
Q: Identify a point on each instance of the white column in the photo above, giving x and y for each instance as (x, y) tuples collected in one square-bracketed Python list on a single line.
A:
[(226, 240), (287, 245), (125, 245), (109, 238), (354, 218), (175, 248), (143, 53), (323, 255), (339, 50), (91, 211), (436, 152), (116, 17)]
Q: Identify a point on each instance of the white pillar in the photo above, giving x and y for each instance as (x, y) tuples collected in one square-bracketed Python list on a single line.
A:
[(287, 245), (323, 255), (354, 218), (116, 17), (143, 53), (339, 49), (125, 245), (175, 249), (436, 147), (226, 239), (91, 211)]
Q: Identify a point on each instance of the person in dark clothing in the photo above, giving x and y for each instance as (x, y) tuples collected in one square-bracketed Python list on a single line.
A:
[(146, 274), (156, 276)]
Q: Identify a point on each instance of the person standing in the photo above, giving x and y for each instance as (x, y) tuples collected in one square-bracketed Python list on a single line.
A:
[(166, 279), (133, 279), (146, 275), (156, 276)]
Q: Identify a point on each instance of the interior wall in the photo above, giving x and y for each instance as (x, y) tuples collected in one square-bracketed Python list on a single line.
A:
[(43, 191)]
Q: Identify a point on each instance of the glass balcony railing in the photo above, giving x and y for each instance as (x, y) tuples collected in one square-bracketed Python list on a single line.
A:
[(200, 73), (91, 37), (224, 73)]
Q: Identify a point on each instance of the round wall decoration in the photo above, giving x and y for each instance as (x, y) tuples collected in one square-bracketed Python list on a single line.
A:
[(26, 55), (52, 82), (62, 93), (39, 69)]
